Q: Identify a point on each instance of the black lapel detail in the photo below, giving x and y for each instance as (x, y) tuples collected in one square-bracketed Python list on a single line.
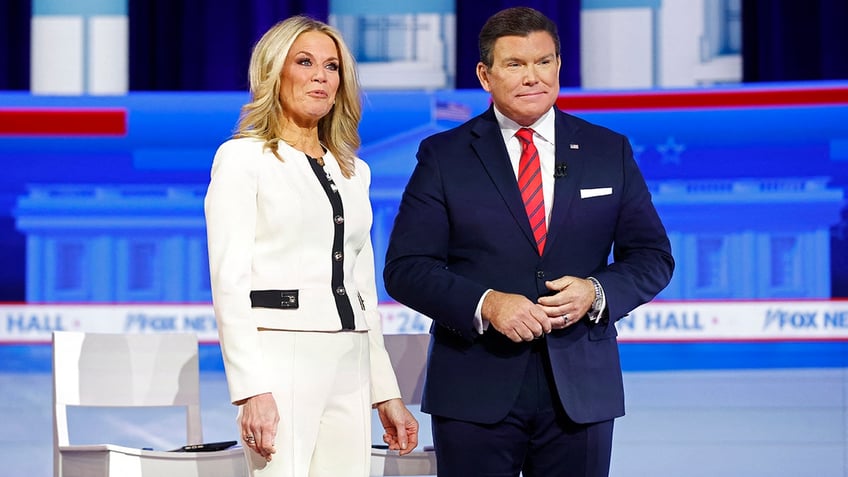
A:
[(337, 254)]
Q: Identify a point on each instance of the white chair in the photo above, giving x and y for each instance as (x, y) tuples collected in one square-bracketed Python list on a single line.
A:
[(409, 357), (131, 370)]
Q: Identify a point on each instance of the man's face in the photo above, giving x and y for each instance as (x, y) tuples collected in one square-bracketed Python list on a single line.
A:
[(524, 77)]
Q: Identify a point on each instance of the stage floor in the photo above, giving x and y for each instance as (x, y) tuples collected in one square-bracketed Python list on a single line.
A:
[(750, 423)]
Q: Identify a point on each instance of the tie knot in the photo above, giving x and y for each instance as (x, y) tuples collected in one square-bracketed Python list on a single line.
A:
[(525, 135)]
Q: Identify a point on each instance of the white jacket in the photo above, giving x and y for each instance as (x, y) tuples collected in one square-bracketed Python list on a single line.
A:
[(269, 226)]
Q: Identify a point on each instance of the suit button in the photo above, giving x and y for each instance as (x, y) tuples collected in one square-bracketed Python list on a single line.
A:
[(337, 256), (340, 291), (338, 219), (540, 274)]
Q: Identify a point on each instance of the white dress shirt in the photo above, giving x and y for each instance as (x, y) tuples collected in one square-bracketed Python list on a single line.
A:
[(544, 138)]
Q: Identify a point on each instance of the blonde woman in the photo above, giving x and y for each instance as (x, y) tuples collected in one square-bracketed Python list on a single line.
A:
[(292, 270)]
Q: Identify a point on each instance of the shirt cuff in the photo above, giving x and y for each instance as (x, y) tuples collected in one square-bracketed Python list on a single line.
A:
[(480, 324)]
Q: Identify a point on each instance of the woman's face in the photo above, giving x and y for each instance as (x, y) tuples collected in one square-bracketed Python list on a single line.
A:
[(310, 78)]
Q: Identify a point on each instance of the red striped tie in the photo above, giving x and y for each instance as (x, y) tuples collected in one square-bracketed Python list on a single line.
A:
[(530, 184)]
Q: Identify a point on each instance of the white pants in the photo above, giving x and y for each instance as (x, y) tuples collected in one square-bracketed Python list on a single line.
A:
[(321, 382)]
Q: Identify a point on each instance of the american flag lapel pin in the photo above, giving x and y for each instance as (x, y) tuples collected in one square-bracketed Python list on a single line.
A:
[(574, 146)]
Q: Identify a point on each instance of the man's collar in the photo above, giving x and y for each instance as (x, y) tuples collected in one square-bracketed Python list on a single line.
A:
[(543, 127)]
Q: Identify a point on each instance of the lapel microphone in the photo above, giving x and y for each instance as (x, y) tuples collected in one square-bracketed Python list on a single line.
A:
[(559, 170)]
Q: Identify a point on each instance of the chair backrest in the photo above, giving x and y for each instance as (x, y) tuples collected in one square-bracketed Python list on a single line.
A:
[(125, 370), (408, 354)]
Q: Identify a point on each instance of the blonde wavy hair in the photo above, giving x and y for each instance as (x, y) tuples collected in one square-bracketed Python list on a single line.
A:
[(262, 117)]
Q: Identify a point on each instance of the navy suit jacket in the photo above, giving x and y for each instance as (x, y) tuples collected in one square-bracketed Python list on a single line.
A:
[(462, 229)]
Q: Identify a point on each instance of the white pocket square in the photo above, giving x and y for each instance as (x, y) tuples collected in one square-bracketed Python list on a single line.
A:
[(597, 192)]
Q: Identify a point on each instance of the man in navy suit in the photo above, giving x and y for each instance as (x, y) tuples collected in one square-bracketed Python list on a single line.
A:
[(523, 373)]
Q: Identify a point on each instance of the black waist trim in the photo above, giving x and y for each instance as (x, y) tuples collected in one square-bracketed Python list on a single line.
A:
[(281, 299)]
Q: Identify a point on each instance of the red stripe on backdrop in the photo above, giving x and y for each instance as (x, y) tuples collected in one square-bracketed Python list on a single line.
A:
[(63, 122), (588, 101)]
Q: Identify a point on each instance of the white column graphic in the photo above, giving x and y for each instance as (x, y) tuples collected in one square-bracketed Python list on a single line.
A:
[(80, 47)]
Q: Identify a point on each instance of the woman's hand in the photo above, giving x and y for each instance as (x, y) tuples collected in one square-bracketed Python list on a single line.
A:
[(401, 428), (258, 422)]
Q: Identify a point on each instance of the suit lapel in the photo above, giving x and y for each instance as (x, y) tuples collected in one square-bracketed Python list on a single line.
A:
[(490, 148), (569, 152)]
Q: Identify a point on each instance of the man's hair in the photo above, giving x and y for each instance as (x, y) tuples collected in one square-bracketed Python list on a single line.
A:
[(518, 21)]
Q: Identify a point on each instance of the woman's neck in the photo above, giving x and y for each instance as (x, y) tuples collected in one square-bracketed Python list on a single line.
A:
[(303, 139)]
